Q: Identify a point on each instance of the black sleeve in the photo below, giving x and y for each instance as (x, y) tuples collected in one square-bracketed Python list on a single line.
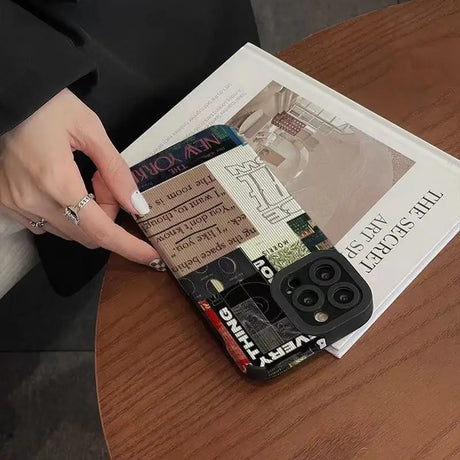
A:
[(36, 62)]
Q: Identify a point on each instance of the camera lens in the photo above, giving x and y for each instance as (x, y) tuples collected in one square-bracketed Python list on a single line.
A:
[(344, 295), (293, 282), (325, 272), (308, 298)]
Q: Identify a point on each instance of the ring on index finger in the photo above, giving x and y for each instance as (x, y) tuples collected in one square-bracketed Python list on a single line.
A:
[(71, 212)]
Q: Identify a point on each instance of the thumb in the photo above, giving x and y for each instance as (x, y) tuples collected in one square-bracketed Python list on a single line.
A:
[(112, 167)]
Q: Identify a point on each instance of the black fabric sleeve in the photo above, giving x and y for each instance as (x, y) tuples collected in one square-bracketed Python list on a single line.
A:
[(36, 62)]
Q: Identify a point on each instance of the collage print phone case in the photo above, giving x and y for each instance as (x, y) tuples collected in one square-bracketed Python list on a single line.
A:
[(262, 273)]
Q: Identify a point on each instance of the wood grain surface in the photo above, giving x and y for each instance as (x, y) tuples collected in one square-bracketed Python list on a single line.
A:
[(165, 388)]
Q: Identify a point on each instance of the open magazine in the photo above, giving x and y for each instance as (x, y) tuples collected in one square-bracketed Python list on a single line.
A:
[(386, 199)]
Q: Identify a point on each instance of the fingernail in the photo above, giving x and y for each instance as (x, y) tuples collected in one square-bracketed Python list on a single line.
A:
[(138, 201), (158, 265)]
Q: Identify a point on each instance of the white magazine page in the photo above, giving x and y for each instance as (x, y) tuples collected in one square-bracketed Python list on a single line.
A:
[(386, 199)]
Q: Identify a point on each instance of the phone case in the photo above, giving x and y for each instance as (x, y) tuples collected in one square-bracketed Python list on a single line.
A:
[(264, 276)]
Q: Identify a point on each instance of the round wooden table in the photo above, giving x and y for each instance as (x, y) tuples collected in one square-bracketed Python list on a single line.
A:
[(165, 388)]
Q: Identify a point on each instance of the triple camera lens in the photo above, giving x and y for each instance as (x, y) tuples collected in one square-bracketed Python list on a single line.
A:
[(323, 287), (323, 295)]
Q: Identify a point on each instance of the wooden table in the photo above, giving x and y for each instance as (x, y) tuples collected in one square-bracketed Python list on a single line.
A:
[(165, 388)]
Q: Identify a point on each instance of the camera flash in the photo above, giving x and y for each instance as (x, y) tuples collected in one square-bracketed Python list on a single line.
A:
[(321, 316)]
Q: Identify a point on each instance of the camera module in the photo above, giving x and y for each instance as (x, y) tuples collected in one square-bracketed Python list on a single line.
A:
[(323, 295)]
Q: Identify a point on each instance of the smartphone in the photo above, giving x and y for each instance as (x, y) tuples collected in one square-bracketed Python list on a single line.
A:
[(264, 276)]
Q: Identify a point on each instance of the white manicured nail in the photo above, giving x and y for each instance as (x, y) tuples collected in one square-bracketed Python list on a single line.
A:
[(158, 265), (139, 203)]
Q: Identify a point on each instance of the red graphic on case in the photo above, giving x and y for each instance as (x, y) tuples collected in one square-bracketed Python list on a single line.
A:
[(232, 347)]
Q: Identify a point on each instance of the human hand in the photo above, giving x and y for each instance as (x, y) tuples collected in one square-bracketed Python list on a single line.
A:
[(39, 178)]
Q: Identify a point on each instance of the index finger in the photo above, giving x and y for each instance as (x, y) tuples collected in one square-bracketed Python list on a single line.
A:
[(97, 225), (107, 234)]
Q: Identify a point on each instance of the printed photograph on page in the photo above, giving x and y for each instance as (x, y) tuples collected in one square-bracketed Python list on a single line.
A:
[(335, 172)]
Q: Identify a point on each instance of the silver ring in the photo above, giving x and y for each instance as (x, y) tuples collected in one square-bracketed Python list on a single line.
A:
[(71, 212), (38, 224)]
